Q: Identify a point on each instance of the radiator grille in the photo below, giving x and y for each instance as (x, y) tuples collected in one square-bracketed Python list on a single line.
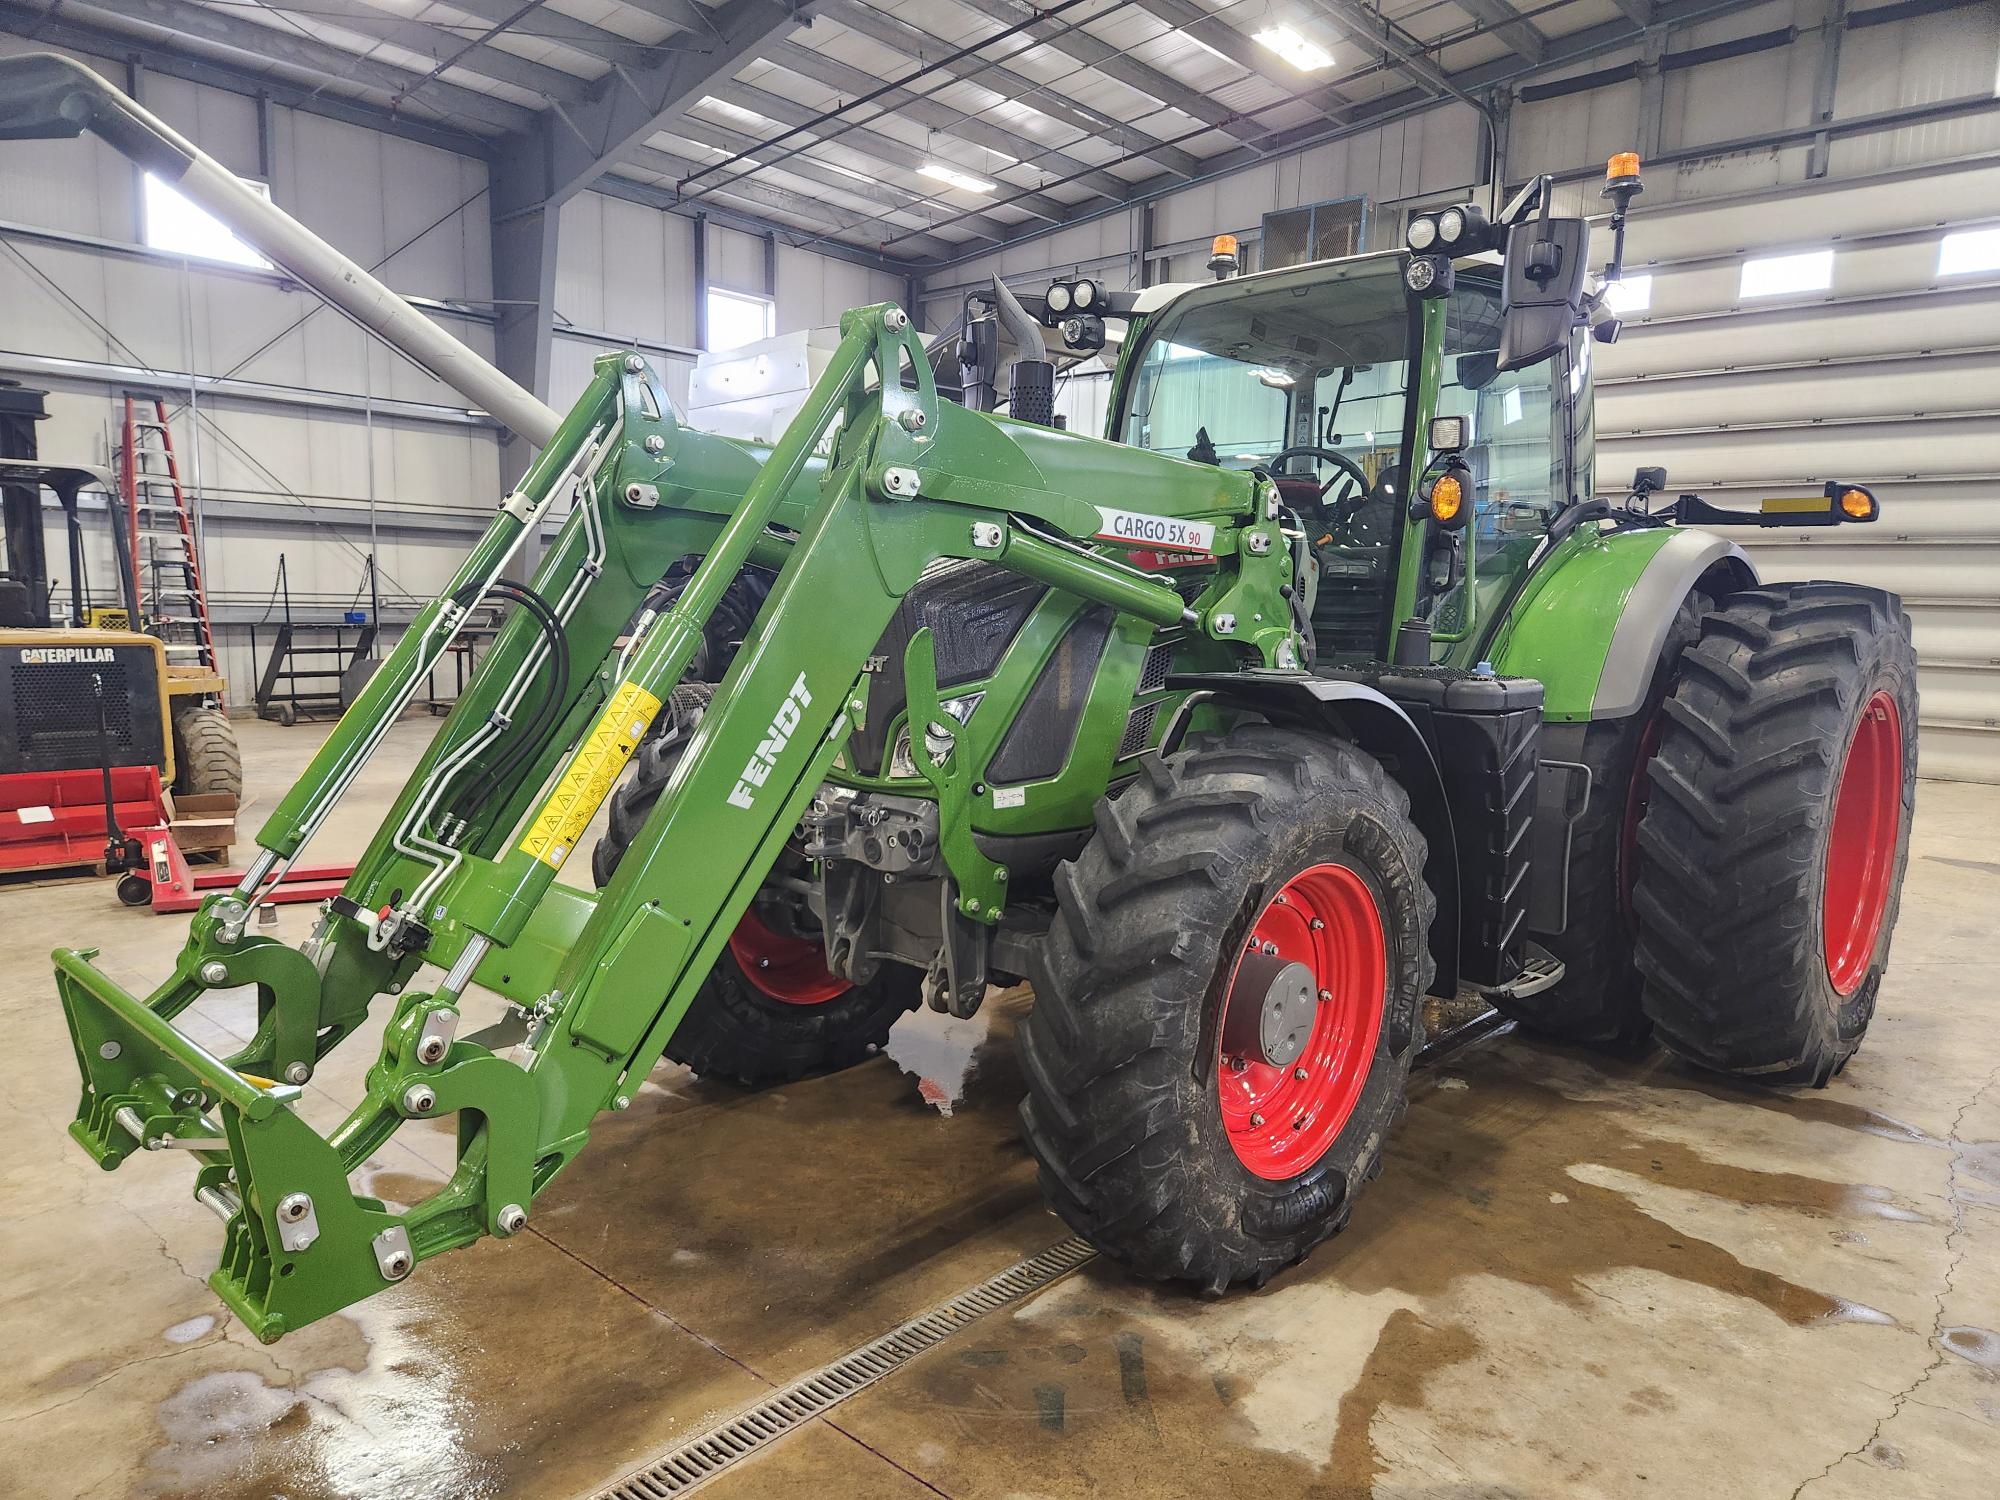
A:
[(1154, 669)]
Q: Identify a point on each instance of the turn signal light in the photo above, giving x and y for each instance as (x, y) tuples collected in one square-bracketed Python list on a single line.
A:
[(1857, 505), (1447, 499)]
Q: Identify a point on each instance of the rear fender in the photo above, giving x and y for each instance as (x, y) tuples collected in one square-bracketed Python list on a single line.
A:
[(1359, 714), (1592, 623)]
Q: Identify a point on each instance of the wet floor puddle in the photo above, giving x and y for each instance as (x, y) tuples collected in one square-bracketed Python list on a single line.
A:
[(1496, 1172), (371, 1411)]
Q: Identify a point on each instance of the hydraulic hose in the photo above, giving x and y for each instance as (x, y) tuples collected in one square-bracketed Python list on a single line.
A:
[(516, 748)]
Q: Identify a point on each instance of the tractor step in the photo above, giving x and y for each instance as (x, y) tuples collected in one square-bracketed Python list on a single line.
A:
[(1540, 970)]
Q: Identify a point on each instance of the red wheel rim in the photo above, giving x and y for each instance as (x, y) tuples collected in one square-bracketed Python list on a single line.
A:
[(1279, 1123), (1861, 848), (790, 969)]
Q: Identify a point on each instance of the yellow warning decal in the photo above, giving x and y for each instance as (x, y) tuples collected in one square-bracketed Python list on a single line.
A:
[(1782, 505), (591, 774)]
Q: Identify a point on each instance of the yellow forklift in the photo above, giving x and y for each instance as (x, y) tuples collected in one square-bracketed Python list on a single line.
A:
[(97, 720)]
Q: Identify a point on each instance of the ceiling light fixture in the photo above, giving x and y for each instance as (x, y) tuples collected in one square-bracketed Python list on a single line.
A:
[(955, 178), (1302, 53)]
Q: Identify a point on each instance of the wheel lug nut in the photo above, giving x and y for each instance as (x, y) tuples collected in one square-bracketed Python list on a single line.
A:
[(1325, 995), (1271, 948), (1300, 1074), (1317, 925), (1256, 1119)]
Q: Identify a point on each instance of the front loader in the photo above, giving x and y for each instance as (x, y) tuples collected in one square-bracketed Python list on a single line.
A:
[(1234, 762)]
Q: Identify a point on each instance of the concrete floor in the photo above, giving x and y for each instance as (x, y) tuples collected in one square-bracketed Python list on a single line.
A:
[(1576, 1276)]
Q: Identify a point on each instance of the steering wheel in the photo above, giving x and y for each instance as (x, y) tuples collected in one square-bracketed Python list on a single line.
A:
[(1339, 512)]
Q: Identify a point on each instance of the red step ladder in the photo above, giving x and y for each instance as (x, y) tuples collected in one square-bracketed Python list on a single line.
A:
[(165, 553)]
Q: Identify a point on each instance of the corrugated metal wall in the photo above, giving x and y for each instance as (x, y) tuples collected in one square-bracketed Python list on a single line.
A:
[(1889, 377), (626, 271), (625, 275)]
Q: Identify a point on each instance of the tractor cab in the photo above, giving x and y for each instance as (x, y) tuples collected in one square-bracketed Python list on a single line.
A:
[(1426, 412), (1315, 374)]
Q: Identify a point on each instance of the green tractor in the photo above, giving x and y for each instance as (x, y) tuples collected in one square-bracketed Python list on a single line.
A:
[(1327, 684), (1566, 752)]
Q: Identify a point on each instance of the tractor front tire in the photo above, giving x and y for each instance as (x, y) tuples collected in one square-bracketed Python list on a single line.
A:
[(1772, 851), (1274, 870), (207, 758), (769, 1011)]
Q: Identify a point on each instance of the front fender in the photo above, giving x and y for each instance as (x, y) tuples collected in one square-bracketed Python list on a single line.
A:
[(1363, 716), (1593, 621)]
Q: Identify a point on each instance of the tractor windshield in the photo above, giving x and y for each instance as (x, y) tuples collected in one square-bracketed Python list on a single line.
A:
[(1319, 357)]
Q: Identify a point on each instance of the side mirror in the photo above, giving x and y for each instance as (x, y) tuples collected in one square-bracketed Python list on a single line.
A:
[(1476, 371), (1649, 481), (1543, 295)]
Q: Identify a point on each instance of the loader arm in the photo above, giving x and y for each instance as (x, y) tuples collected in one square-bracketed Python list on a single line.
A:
[(874, 481)]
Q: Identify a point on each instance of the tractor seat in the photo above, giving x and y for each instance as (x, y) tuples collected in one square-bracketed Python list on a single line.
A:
[(1300, 492)]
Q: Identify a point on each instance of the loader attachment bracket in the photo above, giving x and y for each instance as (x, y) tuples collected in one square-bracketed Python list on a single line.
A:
[(956, 777), (282, 1188)]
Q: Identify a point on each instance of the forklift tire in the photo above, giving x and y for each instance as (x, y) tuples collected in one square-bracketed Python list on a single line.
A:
[(769, 1012), (1597, 999), (1772, 851), (206, 756), (1188, 1136)]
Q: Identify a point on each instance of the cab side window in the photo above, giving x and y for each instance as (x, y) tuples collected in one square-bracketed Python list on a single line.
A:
[(1516, 440)]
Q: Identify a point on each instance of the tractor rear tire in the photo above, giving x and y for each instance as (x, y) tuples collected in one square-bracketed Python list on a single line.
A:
[(1168, 1133), (1772, 851), (207, 758), (769, 1012), (1597, 999)]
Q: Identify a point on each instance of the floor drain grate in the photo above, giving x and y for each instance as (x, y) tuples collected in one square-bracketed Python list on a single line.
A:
[(708, 1453)]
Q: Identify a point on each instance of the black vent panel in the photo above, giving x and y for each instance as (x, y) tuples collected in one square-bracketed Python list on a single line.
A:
[(1138, 730), (1038, 742), (973, 611), (51, 722)]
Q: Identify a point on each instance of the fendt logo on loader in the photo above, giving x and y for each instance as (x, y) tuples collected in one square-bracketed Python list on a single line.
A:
[(764, 759)]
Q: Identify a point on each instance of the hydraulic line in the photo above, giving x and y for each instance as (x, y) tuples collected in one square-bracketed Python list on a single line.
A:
[(548, 708), (437, 634), (444, 853)]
